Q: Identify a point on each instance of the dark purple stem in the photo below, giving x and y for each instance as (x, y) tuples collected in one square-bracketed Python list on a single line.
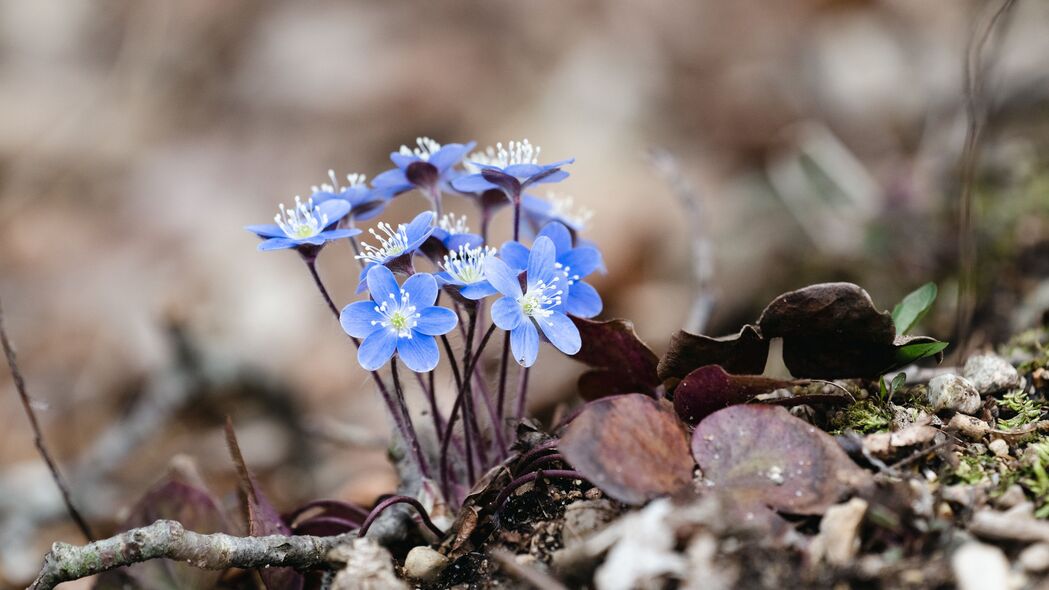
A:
[(392, 500), (504, 367), (522, 393), (413, 439)]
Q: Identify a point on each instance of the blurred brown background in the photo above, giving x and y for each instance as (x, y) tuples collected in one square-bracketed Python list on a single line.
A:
[(820, 140)]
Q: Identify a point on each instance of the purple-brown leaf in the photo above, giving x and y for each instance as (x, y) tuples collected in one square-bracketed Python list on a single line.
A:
[(763, 455), (622, 363), (709, 389), (742, 353), (632, 447)]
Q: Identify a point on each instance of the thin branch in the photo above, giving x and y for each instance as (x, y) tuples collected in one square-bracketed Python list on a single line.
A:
[(168, 539), (38, 435)]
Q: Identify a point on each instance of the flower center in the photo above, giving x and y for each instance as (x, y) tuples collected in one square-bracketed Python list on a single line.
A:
[(334, 188), (541, 298), (427, 147), (302, 221), (393, 243), (399, 315), (564, 207), (515, 152), (466, 264), (453, 224)]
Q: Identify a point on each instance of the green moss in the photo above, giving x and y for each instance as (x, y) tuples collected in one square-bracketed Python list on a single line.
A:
[(1035, 478), (864, 416), (1032, 345), (1024, 410)]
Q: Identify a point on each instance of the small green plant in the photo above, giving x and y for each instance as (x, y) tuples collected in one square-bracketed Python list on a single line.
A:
[(913, 307), (1025, 409), (887, 390), (1037, 481)]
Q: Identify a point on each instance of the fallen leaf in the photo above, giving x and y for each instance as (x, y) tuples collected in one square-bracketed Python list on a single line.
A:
[(742, 354), (765, 455), (709, 389), (632, 447), (622, 363)]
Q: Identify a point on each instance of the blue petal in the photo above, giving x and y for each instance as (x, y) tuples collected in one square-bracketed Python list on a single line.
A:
[(277, 244), (515, 254), (507, 314), (403, 160), (536, 206), (561, 332), (271, 230), (434, 321), (549, 178), (541, 261), (382, 285), (449, 155), (394, 177), (376, 349), (583, 300), (338, 234), (421, 289), (581, 261), (478, 291), (357, 319), (523, 171), (453, 241), (421, 227), (472, 183), (502, 277), (443, 278), (524, 342), (559, 164), (559, 235), (419, 352), (335, 209), (323, 197)]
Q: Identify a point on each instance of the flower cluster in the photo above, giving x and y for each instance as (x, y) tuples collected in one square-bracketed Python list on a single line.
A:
[(529, 288)]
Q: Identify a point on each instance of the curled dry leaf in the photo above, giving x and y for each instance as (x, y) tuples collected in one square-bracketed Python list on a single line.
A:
[(263, 519), (708, 389), (632, 447), (829, 331), (621, 362), (763, 455)]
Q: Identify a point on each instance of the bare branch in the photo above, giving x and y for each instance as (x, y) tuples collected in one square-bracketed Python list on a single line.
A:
[(38, 435), (168, 539)]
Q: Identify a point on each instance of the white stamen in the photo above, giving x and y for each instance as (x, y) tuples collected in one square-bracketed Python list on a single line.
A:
[(393, 243), (453, 224), (333, 187), (400, 316), (302, 221), (427, 147), (564, 207), (467, 264), (541, 298), (515, 152)]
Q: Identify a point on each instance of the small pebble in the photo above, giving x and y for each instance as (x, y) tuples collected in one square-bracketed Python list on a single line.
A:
[(999, 447), (978, 566), (970, 427), (951, 392), (1035, 558), (424, 564), (990, 373)]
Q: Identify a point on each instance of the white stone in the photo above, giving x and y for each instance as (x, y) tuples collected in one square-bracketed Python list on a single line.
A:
[(954, 393), (977, 566), (424, 564), (990, 373)]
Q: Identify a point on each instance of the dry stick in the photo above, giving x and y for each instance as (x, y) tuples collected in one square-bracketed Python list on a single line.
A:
[(401, 420), (455, 412), (976, 115), (38, 435), (169, 539)]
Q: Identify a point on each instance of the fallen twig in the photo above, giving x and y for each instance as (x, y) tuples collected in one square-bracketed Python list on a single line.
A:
[(38, 435), (170, 540)]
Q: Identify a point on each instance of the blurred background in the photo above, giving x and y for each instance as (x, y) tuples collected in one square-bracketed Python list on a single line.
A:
[(788, 142)]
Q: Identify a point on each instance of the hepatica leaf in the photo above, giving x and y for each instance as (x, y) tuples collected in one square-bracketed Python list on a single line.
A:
[(622, 363), (763, 455), (908, 353), (913, 307), (708, 389), (632, 447)]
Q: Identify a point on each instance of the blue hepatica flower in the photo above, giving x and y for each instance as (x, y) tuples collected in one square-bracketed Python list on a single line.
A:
[(395, 243), (305, 226), (453, 232), (365, 202), (556, 207), (510, 168), (574, 264), (401, 319), (428, 166), (464, 268), (538, 304)]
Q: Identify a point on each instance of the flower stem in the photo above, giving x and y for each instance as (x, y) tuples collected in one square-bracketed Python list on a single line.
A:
[(391, 404), (382, 506), (516, 199), (522, 392), (435, 197), (500, 404), (412, 438)]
